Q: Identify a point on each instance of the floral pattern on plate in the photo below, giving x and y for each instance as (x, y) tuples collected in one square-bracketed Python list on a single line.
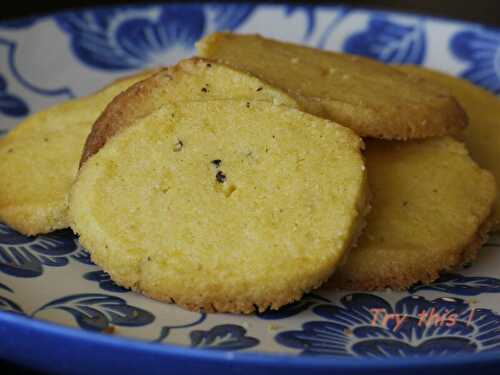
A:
[(367, 325), (52, 277)]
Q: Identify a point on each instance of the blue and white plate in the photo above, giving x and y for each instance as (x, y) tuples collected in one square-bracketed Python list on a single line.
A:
[(48, 283)]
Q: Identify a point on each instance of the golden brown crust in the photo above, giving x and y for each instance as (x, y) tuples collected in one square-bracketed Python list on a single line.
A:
[(210, 305), (121, 112), (146, 96), (399, 280), (483, 108), (373, 99)]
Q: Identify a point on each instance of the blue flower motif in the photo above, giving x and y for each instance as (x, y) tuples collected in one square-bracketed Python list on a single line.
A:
[(227, 17), (223, 337), (6, 304), (104, 281), (83, 256), (131, 37), (368, 325), (23, 256), (480, 48), (389, 41), (310, 13), (96, 312), (165, 330), (11, 105), (462, 285)]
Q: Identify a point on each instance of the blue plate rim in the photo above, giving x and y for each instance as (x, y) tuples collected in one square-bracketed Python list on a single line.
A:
[(340, 5), (10, 323)]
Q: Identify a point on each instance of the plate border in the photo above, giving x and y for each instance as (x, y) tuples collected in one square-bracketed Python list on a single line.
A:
[(41, 347), (111, 350)]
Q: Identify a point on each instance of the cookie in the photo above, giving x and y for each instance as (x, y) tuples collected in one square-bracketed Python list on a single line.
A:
[(190, 79), (431, 210), (39, 159), (373, 99), (223, 205), (482, 136)]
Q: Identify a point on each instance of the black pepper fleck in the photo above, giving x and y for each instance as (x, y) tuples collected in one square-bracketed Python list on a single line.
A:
[(220, 177), (209, 65), (216, 162), (178, 146), (248, 105), (204, 89), (405, 203), (259, 89)]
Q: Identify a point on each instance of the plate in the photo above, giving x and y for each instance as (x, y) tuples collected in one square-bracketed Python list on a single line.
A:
[(61, 312)]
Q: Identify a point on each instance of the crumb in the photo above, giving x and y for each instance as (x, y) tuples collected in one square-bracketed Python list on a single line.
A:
[(109, 330), (272, 328)]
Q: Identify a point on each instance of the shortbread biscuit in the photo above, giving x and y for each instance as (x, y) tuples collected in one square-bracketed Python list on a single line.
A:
[(223, 205), (190, 79), (482, 136), (39, 160), (373, 99), (431, 208)]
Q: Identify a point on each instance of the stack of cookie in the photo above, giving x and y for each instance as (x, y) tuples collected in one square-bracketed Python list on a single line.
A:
[(241, 179), (431, 204)]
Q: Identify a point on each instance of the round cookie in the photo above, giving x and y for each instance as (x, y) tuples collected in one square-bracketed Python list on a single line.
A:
[(373, 99), (431, 207), (225, 205), (39, 160), (190, 79), (482, 136)]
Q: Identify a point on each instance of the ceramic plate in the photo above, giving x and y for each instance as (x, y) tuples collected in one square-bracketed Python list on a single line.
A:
[(48, 283)]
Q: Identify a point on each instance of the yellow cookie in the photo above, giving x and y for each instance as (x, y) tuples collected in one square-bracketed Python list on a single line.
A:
[(223, 205), (482, 136), (373, 99), (190, 79), (431, 207), (39, 160)]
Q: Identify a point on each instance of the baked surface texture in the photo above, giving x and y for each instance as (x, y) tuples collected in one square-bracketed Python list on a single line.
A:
[(39, 160), (223, 205), (431, 211), (373, 99), (190, 79), (482, 136)]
